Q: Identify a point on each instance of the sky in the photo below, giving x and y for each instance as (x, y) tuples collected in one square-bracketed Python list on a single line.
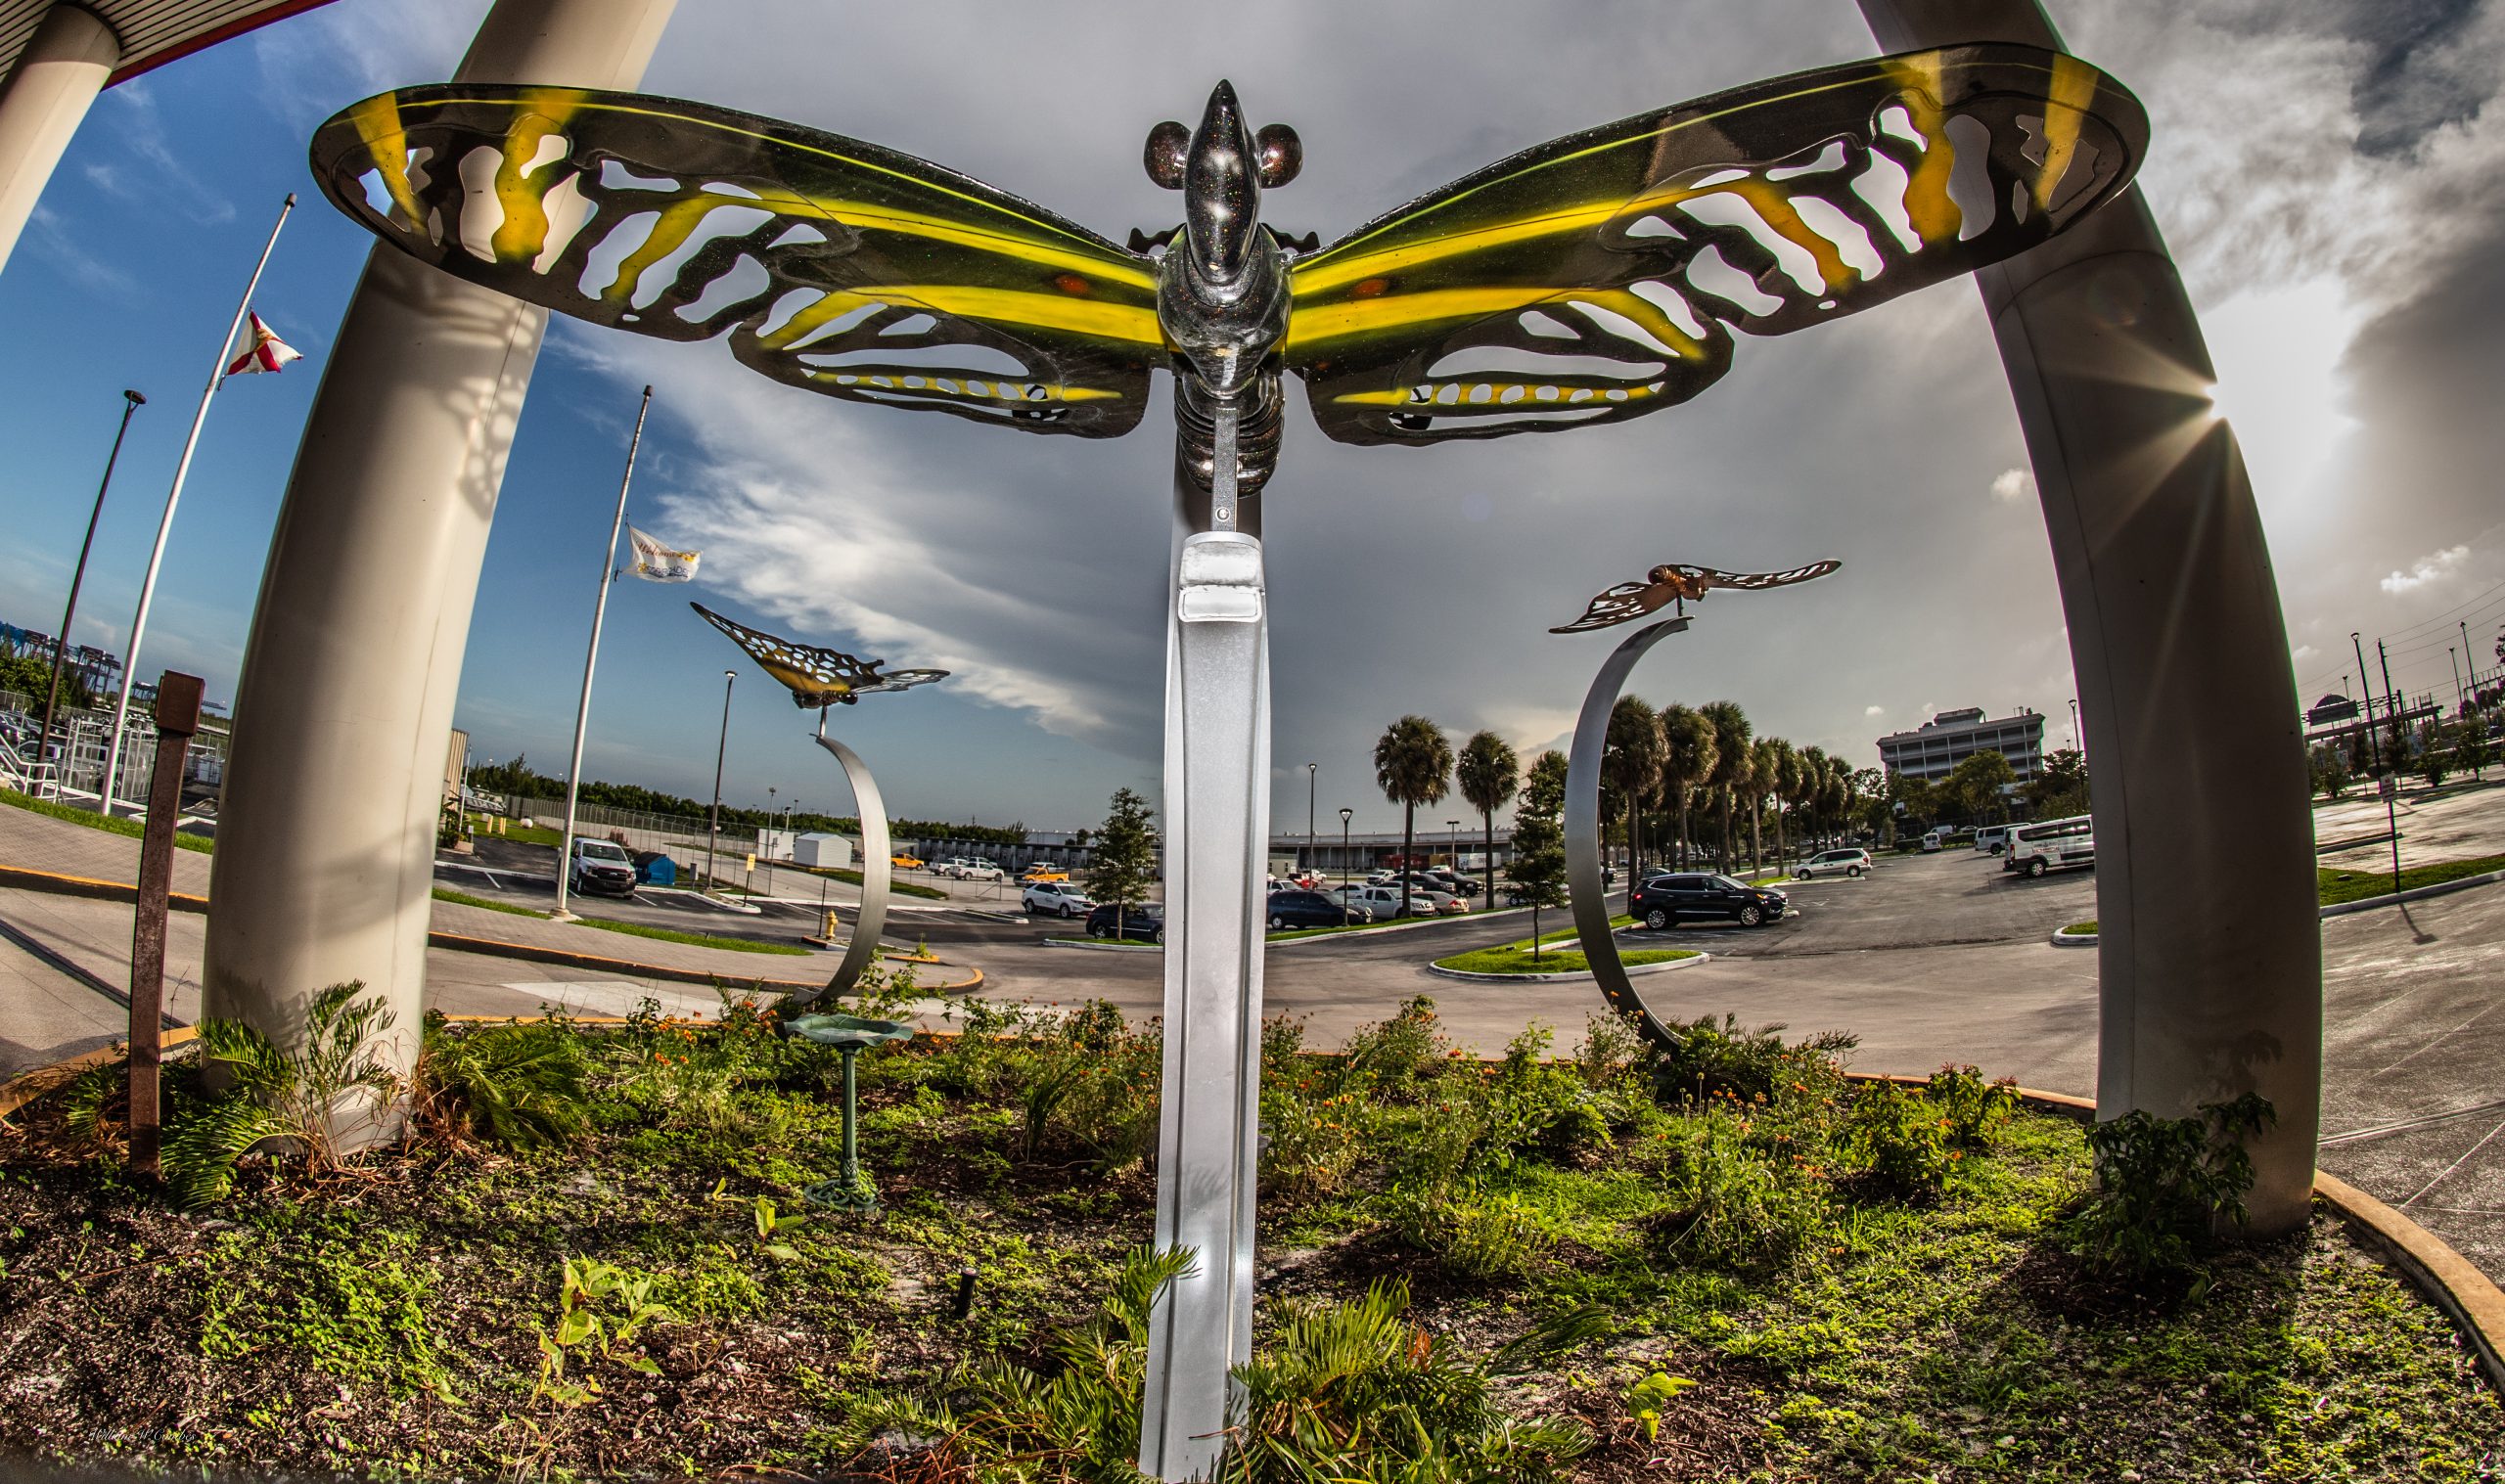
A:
[(2323, 172)]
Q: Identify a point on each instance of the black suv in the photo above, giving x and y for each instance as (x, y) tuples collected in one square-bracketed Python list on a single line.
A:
[(1661, 901), (1144, 921), (1310, 909)]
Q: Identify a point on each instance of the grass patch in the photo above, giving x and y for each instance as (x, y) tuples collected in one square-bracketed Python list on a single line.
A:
[(465, 899), (853, 878), (1517, 959), (697, 939), (2082, 928), (1856, 1290), (2356, 885), (109, 824)]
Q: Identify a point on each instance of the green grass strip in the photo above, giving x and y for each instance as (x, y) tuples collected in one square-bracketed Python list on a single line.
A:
[(110, 823), (2082, 928), (465, 899), (696, 939), (1517, 959), (2339, 887)]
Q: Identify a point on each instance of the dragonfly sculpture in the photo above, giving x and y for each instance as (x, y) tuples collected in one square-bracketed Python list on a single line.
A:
[(1590, 280), (1677, 582), (816, 677)]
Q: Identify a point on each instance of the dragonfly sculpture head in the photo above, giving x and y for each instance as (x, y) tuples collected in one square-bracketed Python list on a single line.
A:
[(1593, 279)]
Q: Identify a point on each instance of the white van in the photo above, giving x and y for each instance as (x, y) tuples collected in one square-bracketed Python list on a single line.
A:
[(1991, 839), (2054, 844)]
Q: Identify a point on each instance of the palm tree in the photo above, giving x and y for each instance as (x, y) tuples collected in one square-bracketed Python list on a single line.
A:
[(1765, 771), (1413, 766), (1631, 760), (1786, 784), (1815, 766), (1688, 757), (1730, 764), (1488, 774)]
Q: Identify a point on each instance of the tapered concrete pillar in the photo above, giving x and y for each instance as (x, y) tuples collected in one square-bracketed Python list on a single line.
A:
[(2209, 948), (326, 843), (64, 66)]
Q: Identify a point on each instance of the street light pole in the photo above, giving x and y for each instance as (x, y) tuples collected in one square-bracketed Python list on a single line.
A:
[(1453, 843), (721, 748), (1312, 771), (1343, 848), (131, 402), (591, 657), (2458, 693)]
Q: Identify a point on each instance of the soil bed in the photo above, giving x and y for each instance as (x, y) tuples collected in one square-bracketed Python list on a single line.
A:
[(1739, 1219)]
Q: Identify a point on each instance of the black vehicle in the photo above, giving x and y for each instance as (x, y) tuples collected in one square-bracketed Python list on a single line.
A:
[(1310, 909), (1144, 921), (1662, 901)]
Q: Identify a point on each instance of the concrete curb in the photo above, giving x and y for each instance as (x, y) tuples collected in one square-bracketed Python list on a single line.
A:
[(123, 891), (2414, 893), (2065, 938), (1092, 944), (2445, 1277), (1632, 969)]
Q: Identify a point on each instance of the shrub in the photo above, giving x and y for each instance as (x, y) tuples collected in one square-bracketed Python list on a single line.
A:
[(272, 1095), (1901, 1139), (1975, 1108), (1315, 1141), (1397, 1057), (520, 1086), (1732, 1206), (2164, 1185), (1471, 1234), (1610, 1046), (1710, 1058)]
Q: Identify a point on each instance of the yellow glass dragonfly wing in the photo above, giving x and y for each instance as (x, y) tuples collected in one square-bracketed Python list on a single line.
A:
[(832, 264), (1600, 276)]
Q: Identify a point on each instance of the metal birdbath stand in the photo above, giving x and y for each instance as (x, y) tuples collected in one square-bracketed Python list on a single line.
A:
[(850, 1036)]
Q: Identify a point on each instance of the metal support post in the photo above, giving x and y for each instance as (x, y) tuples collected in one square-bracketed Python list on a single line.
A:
[(591, 657), (1586, 894), (178, 699), (65, 64), (131, 402), (876, 869), (1217, 807)]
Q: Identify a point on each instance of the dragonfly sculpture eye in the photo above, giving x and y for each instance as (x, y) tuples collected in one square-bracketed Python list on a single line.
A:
[(1592, 279), (816, 677), (1676, 582)]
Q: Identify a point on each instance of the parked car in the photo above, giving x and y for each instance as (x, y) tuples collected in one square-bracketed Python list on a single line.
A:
[(981, 870), (1298, 908), (1054, 898), (1144, 921), (1424, 881), (1453, 882), (2054, 844), (1382, 903), (1992, 840), (1930, 842), (1043, 872), (1852, 862), (905, 860), (1665, 901), (599, 868)]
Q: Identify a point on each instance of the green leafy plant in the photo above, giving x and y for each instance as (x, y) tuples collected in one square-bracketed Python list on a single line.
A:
[(1646, 1398), (1471, 1234), (1395, 1058), (2164, 1186), (518, 1086), (769, 1223), (305, 1100), (1710, 1058), (1733, 1205), (1976, 1109), (601, 1307), (1899, 1138)]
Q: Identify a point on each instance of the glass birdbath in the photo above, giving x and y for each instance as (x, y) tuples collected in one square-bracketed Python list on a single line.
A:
[(850, 1036)]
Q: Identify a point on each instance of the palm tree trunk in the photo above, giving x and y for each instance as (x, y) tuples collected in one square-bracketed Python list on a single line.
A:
[(1756, 834), (1683, 829), (1408, 834), (1488, 858)]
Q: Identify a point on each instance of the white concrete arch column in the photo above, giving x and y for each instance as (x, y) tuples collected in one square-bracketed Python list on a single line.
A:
[(326, 843), (2209, 950), (42, 102)]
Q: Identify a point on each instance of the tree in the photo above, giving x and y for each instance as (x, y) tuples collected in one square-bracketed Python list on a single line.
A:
[(1974, 786), (1537, 871), (1688, 757), (2059, 787), (1783, 767), (1124, 861), (1488, 773), (1631, 763), (2470, 743), (1731, 762), (1413, 766), (30, 675), (2331, 771), (1765, 772)]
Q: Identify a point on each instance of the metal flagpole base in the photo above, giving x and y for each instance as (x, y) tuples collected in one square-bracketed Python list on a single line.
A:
[(876, 868), (1217, 806), (1583, 830)]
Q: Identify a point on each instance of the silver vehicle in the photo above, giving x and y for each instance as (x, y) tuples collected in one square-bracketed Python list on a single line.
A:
[(2053, 845), (1058, 899), (596, 866), (1851, 862)]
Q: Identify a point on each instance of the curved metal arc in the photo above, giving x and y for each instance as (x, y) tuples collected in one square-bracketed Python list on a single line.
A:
[(876, 868), (1583, 830)]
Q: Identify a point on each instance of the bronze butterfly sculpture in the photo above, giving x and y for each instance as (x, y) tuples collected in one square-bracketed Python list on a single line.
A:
[(1593, 279), (1679, 583)]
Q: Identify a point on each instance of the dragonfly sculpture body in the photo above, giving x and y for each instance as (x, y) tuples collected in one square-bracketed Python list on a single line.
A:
[(816, 677), (1590, 280)]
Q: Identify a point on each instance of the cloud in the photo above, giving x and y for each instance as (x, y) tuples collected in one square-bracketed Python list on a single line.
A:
[(2432, 568), (2012, 485), (1874, 710)]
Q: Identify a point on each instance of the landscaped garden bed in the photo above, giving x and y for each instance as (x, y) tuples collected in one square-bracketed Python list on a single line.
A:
[(588, 1259)]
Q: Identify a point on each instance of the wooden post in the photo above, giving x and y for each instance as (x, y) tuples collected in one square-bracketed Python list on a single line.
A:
[(177, 718)]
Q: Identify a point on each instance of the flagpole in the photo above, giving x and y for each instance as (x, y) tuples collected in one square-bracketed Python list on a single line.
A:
[(166, 522), (582, 708)]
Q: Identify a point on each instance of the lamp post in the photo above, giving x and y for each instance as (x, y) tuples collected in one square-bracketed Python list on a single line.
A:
[(1453, 843), (1344, 845), (769, 854), (714, 824), (1312, 771), (131, 402)]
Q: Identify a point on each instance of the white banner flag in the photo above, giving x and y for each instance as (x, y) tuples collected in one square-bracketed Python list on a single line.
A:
[(656, 562)]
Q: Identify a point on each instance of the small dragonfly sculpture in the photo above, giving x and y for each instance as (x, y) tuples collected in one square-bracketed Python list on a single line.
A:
[(1676, 582)]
